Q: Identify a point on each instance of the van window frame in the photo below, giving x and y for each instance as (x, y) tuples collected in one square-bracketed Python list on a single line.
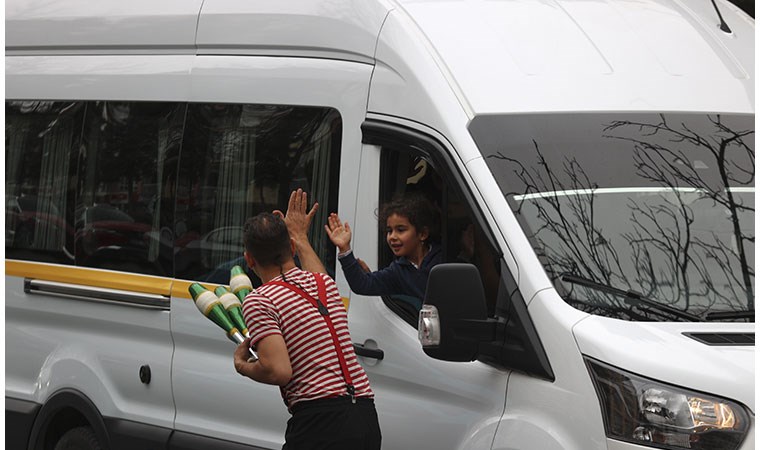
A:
[(516, 345)]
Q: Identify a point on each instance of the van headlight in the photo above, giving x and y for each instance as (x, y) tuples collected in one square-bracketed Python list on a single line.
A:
[(654, 414)]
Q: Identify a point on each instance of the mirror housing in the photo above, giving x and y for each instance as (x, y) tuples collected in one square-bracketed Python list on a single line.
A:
[(453, 320)]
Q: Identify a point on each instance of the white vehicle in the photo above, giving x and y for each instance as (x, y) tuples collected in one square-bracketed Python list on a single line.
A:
[(593, 163)]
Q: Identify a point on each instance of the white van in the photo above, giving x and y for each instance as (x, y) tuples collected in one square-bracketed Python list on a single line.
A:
[(593, 163)]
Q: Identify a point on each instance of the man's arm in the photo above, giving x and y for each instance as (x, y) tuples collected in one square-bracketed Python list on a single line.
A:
[(273, 365), (298, 221)]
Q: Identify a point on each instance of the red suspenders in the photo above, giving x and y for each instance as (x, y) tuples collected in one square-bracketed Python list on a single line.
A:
[(321, 306)]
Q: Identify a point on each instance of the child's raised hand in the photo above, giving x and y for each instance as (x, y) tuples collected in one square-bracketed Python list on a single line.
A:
[(338, 232)]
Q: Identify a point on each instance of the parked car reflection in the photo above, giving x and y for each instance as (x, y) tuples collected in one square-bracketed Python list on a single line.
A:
[(35, 223), (209, 257), (108, 237)]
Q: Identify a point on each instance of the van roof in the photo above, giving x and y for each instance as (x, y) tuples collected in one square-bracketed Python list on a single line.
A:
[(502, 56), (341, 29), (572, 55)]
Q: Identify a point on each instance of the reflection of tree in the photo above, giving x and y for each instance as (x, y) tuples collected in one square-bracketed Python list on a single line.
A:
[(580, 234), (669, 231), (668, 255), (735, 162)]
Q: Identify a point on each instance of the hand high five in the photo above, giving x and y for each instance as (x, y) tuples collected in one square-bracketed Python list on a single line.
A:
[(339, 233), (298, 221), (296, 217)]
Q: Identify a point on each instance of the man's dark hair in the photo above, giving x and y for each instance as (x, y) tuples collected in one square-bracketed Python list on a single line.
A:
[(420, 212), (266, 238)]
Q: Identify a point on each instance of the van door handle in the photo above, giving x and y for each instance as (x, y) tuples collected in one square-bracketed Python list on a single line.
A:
[(375, 353), (97, 294)]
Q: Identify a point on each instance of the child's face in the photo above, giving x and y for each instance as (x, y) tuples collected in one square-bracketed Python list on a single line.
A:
[(402, 237)]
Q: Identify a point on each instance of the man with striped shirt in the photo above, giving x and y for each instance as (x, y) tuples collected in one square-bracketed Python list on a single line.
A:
[(299, 328)]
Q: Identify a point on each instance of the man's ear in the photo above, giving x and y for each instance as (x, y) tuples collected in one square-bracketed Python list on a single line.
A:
[(249, 260), (293, 247)]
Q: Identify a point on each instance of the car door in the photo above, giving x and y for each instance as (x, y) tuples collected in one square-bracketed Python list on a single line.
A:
[(257, 128), (422, 402)]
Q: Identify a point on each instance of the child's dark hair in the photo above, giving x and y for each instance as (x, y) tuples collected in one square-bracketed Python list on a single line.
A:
[(420, 212), (266, 238)]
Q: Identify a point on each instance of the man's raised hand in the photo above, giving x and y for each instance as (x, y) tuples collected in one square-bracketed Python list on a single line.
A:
[(296, 218)]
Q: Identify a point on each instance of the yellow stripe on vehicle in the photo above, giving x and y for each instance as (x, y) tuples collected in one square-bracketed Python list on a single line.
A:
[(180, 288), (87, 276), (109, 279)]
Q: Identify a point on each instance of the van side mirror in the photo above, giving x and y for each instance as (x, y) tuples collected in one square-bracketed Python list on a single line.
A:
[(454, 315)]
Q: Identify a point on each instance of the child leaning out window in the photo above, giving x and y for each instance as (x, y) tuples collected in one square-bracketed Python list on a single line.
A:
[(411, 227)]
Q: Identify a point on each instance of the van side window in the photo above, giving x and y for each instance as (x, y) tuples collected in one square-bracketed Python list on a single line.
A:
[(461, 238), (124, 202), (239, 160), (41, 138)]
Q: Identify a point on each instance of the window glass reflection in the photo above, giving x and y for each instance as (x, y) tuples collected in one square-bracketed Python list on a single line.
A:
[(662, 205), (41, 138), (124, 202), (239, 160)]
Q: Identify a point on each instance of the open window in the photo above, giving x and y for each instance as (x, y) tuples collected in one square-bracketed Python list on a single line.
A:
[(413, 161), (413, 164)]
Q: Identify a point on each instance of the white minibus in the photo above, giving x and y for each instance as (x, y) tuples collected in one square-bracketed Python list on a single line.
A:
[(592, 162)]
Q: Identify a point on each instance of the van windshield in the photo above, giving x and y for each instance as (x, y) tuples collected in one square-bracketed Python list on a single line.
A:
[(624, 207)]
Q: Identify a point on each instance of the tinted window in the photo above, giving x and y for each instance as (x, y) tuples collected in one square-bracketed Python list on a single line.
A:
[(125, 194), (662, 205), (239, 160), (41, 138), (95, 183)]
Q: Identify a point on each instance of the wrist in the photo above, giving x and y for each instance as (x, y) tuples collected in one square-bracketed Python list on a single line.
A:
[(240, 367), (246, 368), (300, 239)]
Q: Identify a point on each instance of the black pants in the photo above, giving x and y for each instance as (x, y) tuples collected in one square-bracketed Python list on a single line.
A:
[(333, 424)]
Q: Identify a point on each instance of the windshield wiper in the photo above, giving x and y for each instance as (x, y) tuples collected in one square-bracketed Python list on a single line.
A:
[(617, 311), (728, 315), (632, 297)]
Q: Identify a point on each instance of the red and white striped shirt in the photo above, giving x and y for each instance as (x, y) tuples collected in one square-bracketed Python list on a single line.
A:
[(273, 309)]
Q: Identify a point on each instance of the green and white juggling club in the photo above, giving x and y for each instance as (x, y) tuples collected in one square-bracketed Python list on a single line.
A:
[(240, 284), (210, 306), (234, 308)]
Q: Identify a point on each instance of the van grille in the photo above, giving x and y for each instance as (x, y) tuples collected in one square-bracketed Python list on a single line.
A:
[(723, 338)]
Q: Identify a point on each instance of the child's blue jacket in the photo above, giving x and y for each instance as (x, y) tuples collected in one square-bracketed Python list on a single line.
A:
[(399, 278)]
